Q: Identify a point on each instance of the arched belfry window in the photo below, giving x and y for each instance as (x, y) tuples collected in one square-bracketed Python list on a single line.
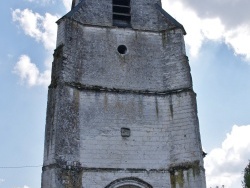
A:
[(128, 186), (121, 13), (130, 182)]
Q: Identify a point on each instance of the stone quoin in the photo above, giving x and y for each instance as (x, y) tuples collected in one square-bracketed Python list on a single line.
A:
[(121, 108)]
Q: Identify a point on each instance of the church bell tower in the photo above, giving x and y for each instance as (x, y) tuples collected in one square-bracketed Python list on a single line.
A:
[(121, 108)]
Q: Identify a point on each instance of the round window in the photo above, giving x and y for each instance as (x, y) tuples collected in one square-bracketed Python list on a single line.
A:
[(122, 49)]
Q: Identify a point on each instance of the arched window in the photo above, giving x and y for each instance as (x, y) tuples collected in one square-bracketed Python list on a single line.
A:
[(128, 186), (121, 13), (130, 182)]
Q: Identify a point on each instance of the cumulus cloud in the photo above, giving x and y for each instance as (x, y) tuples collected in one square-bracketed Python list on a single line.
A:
[(67, 4), (41, 28), (224, 165), (239, 39), (232, 12), (197, 29), (30, 74), (207, 23)]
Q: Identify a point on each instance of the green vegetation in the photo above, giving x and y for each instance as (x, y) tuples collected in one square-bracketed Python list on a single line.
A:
[(246, 177)]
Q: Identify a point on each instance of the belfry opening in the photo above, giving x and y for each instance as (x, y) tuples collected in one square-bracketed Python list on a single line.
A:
[(121, 13)]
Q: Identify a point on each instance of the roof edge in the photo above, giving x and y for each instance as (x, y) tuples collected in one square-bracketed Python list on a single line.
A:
[(72, 11), (170, 18)]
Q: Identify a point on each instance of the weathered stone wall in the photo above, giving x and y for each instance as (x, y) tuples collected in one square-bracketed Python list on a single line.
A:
[(162, 130), (164, 137), (157, 179), (92, 59), (143, 13), (112, 116)]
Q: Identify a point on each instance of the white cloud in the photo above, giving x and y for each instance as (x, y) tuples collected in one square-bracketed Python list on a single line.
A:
[(30, 74), (224, 165), (197, 29), (239, 39), (67, 4), (24, 187), (41, 28), (2, 180), (232, 12), (209, 27)]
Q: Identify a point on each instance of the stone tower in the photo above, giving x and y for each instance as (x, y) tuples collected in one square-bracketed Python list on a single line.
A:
[(121, 108)]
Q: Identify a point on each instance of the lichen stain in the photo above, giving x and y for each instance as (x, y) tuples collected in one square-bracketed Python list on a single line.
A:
[(188, 176), (171, 111), (140, 106), (105, 102), (177, 177), (164, 39), (156, 107), (177, 173), (136, 35), (196, 169), (129, 111), (72, 179), (118, 105), (76, 99), (172, 179)]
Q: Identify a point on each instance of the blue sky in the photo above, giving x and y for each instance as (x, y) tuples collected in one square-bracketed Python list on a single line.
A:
[(217, 43)]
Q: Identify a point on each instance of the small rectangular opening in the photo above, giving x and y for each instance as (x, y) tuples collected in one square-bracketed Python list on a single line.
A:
[(125, 132), (121, 13)]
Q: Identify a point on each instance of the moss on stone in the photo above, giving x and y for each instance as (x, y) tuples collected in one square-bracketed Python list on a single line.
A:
[(177, 173), (71, 178)]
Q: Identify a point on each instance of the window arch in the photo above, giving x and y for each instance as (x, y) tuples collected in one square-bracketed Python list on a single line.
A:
[(129, 183), (129, 186)]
